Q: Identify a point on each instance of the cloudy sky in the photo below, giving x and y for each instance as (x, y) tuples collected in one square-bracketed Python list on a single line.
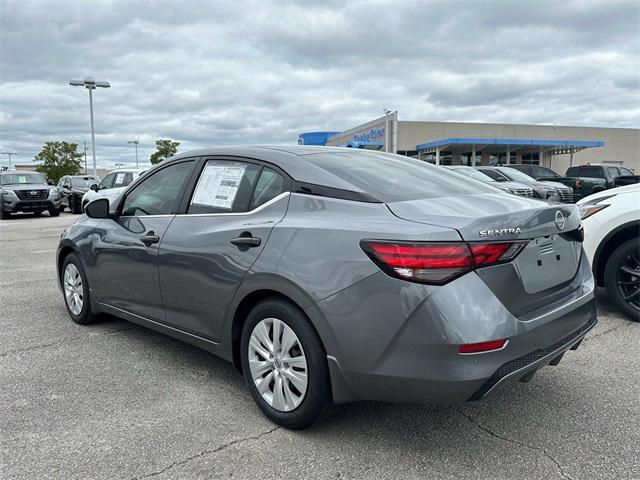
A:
[(207, 73)]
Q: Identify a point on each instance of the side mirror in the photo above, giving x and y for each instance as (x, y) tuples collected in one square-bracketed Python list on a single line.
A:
[(94, 187), (98, 208), (50, 182)]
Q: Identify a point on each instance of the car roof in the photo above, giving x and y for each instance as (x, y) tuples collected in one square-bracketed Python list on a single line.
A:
[(296, 160)]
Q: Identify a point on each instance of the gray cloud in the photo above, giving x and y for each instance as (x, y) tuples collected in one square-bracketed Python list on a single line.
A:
[(207, 73)]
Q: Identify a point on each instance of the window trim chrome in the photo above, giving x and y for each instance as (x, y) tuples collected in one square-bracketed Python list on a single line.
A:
[(249, 212)]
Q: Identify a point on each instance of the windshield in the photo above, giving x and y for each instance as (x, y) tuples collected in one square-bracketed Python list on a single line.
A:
[(84, 182), (516, 175), (394, 178), (473, 173), (26, 178)]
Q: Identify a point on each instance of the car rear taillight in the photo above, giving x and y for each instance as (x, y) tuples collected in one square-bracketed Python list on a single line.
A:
[(579, 184), (436, 263)]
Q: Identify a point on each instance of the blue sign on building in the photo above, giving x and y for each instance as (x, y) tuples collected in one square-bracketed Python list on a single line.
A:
[(369, 135)]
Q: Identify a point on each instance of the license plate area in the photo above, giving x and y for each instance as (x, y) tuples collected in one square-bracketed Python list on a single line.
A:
[(546, 262)]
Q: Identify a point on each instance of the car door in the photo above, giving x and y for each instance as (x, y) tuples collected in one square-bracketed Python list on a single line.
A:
[(211, 245), (126, 257)]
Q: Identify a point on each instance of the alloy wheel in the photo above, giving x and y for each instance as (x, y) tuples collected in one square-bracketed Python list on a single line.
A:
[(73, 290), (278, 364), (628, 281)]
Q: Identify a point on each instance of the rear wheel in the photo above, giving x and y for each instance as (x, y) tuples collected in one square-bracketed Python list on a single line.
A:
[(76, 291), (285, 365), (622, 278)]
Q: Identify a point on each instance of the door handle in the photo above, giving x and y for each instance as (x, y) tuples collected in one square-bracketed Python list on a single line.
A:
[(246, 240), (150, 238)]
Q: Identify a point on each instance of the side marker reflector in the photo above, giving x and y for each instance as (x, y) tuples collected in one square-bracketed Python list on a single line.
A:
[(483, 346)]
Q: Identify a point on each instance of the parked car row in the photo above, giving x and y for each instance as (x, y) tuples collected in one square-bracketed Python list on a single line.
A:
[(584, 179), (513, 181), (329, 275), (112, 185)]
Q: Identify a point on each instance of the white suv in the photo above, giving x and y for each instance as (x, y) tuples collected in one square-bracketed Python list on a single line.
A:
[(611, 220), (112, 185)]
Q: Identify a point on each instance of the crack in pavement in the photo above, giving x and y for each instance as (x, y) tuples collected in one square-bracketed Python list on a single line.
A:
[(516, 442), (62, 341), (593, 337), (206, 452)]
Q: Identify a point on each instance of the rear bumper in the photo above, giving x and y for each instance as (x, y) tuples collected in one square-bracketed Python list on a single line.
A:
[(523, 367), (399, 342)]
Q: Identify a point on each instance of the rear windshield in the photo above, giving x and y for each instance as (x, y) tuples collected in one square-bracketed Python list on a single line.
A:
[(394, 178), (585, 172), (25, 178)]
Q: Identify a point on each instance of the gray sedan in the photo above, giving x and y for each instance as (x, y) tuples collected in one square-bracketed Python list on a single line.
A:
[(330, 275), (509, 187), (553, 191)]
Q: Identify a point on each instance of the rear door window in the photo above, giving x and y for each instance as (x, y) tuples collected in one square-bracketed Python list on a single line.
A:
[(224, 186), (122, 179), (269, 185)]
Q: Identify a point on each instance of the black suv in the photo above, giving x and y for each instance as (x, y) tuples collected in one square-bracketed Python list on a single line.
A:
[(27, 192), (72, 188)]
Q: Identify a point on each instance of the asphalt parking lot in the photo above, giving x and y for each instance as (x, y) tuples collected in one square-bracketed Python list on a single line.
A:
[(117, 401)]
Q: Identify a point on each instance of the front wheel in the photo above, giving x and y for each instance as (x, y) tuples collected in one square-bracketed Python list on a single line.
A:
[(285, 365), (76, 291), (4, 214), (622, 278), (54, 212)]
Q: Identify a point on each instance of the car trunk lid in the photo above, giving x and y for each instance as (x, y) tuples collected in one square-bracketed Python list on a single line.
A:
[(550, 259)]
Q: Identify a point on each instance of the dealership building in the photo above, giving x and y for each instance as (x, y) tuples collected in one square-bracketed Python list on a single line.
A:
[(455, 143)]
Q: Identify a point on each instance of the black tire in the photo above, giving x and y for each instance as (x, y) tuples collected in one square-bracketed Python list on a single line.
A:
[(74, 207), (37, 213), (4, 215), (317, 401), (54, 212), (620, 283), (86, 315)]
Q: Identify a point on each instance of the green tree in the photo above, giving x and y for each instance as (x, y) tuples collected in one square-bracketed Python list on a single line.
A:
[(58, 159), (164, 150)]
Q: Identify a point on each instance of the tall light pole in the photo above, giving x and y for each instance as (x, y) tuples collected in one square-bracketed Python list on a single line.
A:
[(135, 142), (9, 154), (91, 84)]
